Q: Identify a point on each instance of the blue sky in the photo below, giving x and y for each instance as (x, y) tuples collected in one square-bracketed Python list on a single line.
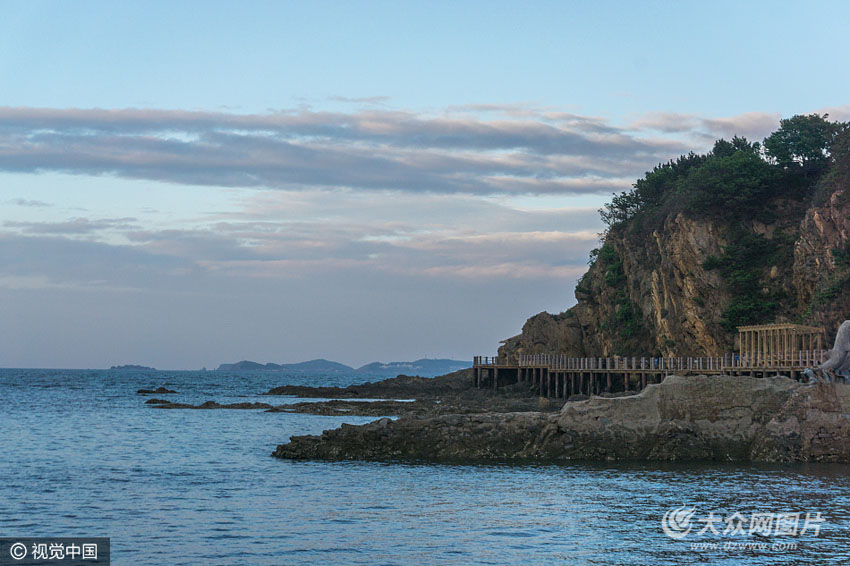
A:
[(184, 184), (612, 59)]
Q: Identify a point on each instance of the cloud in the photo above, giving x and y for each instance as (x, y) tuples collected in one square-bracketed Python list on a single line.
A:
[(285, 235), (407, 224), (28, 203), (754, 126), (482, 150), (667, 122), (837, 113), (56, 261), (76, 226), (373, 100)]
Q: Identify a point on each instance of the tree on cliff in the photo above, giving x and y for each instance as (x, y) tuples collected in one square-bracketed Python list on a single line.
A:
[(803, 141), (735, 182), (652, 191)]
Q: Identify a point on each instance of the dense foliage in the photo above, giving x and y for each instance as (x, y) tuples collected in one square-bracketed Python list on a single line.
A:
[(736, 177), (803, 141)]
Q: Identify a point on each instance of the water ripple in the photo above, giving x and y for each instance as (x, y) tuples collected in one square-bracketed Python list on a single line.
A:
[(83, 455)]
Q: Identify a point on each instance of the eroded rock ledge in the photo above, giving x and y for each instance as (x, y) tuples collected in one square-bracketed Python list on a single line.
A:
[(684, 418), (452, 393), (403, 386)]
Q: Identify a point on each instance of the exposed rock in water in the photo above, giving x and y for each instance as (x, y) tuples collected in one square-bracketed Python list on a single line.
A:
[(333, 408), (212, 405), (158, 390), (450, 394), (343, 407), (480, 437), (421, 408), (401, 387), (684, 418)]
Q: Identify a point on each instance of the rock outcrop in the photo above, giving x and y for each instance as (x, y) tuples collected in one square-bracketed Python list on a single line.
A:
[(400, 387), (481, 437), (653, 291), (453, 393), (814, 425), (822, 261), (683, 418), (725, 418), (659, 283), (158, 390), (653, 295), (208, 405)]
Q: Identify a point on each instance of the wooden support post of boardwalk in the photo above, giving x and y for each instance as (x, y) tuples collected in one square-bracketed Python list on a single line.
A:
[(766, 349)]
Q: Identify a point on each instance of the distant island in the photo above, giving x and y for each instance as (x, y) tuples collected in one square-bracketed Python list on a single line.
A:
[(133, 367), (423, 367)]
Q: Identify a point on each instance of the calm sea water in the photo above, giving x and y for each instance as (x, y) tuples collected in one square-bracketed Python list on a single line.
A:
[(83, 456)]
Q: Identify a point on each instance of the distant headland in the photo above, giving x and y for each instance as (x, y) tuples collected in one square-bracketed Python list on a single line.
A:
[(132, 367), (422, 367)]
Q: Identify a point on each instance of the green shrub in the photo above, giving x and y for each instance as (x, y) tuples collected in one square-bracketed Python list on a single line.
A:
[(743, 265)]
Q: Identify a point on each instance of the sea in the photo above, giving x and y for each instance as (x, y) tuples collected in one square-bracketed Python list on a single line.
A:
[(83, 455)]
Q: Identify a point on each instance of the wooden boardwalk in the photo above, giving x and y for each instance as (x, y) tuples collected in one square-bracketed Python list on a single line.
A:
[(562, 376)]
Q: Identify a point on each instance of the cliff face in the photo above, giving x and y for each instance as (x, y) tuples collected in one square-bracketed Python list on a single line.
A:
[(821, 266), (642, 295), (656, 292), (651, 296)]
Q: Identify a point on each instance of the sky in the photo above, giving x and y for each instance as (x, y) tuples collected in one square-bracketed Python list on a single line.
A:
[(184, 184)]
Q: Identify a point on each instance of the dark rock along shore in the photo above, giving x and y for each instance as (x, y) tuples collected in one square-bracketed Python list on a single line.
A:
[(721, 418), (399, 396)]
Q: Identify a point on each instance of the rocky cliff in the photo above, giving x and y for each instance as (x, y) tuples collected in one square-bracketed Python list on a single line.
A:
[(677, 280), (653, 295), (821, 268)]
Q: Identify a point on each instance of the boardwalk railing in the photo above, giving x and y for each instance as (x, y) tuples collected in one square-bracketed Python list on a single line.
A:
[(561, 375), (561, 362)]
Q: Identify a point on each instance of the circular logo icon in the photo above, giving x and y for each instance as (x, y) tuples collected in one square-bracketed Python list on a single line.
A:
[(677, 522), (18, 550)]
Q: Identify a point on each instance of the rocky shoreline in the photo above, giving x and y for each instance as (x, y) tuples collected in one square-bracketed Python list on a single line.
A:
[(706, 418), (400, 387), (453, 393)]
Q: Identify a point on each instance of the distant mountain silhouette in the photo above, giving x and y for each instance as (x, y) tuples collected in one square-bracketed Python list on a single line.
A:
[(312, 365), (317, 365), (424, 367)]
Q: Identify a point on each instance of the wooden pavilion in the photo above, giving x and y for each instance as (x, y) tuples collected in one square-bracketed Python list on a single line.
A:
[(776, 344)]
